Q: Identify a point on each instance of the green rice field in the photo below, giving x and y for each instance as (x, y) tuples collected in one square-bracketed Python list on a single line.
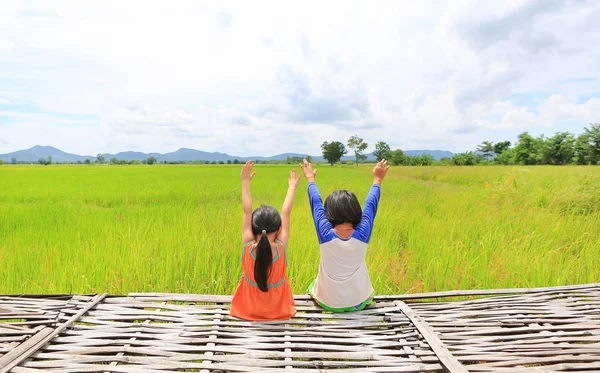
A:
[(176, 228)]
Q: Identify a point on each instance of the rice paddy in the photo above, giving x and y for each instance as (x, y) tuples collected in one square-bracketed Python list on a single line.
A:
[(120, 229)]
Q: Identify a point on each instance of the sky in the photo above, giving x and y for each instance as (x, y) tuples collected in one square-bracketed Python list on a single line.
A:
[(269, 77)]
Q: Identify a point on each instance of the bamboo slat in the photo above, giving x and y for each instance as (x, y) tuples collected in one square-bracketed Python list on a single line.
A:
[(504, 330)]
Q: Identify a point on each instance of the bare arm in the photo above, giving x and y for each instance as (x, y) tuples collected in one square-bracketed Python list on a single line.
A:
[(379, 171), (286, 210), (246, 176)]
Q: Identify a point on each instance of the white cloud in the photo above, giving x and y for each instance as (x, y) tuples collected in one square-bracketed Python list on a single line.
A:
[(5, 140), (6, 45), (5, 101), (514, 116), (227, 78), (558, 107)]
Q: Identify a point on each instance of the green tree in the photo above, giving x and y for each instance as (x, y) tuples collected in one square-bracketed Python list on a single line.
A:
[(100, 159), (446, 161), (398, 157), (507, 157), (528, 149), (45, 161), (499, 147), (558, 149), (236, 161), (151, 160), (382, 151), (426, 160), (486, 148), (229, 161), (358, 146), (87, 161), (588, 145), (114, 160), (294, 160), (413, 160), (581, 149), (1, 162), (333, 151), (13, 160), (466, 159)]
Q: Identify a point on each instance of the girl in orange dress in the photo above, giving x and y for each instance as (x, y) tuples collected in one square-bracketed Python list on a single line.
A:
[(264, 291)]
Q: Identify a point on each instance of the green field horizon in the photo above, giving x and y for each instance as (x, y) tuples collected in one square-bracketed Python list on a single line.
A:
[(176, 228)]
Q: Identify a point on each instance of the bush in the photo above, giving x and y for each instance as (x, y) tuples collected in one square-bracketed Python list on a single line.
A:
[(398, 157), (507, 157), (466, 159)]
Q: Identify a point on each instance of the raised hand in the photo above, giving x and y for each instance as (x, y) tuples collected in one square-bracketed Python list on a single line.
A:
[(308, 171), (380, 170), (247, 174), (294, 179)]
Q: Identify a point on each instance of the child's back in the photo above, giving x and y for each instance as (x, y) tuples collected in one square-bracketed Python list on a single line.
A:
[(251, 303), (343, 278), (344, 232), (264, 291)]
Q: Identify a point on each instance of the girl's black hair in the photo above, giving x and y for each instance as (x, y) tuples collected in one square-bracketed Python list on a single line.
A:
[(341, 207), (265, 219)]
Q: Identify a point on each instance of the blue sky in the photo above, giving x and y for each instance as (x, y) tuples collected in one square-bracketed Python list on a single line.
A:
[(268, 77)]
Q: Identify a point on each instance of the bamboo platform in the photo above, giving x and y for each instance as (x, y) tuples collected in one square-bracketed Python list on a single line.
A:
[(508, 330)]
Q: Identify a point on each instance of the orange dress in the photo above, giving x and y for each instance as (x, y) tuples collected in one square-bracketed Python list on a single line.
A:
[(250, 303)]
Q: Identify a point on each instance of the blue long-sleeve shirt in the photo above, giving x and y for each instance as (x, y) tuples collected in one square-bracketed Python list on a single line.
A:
[(343, 279)]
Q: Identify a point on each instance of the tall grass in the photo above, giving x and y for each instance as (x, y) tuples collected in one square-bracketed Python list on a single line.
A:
[(80, 229)]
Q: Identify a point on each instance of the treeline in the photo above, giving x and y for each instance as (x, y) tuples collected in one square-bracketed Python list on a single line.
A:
[(100, 159), (561, 149)]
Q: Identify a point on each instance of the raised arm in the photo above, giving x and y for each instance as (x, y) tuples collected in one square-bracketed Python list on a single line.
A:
[(286, 210), (246, 176), (322, 224), (365, 227)]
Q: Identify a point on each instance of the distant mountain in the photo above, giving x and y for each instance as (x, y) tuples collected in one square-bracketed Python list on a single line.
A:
[(129, 156), (190, 155), (38, 151), (181, 155), (280, 157)]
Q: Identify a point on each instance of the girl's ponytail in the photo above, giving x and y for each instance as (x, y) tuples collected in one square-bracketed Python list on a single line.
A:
[(262, 264), (265, 219)]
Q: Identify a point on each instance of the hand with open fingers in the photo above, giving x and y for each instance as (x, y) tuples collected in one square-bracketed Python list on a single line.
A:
[(247, 173), (308, 171), (294, 179), (380, 170)]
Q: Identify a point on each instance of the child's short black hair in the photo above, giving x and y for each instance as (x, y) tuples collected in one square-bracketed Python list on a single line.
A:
[(341, 207)]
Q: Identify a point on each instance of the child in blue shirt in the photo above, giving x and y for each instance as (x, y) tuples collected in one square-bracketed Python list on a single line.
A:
[(344, 231)]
